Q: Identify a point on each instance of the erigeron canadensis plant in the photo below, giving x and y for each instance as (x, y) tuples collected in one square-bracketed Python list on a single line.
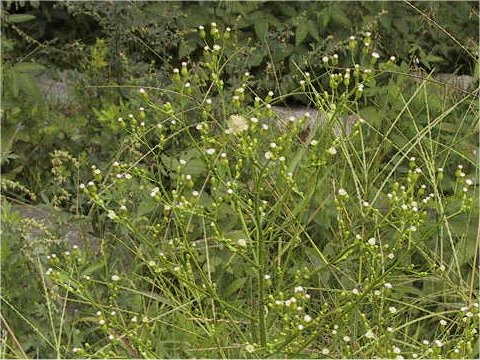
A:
[(243, 238)]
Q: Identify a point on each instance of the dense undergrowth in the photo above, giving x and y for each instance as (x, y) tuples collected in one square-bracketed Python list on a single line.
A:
[(226, 231)]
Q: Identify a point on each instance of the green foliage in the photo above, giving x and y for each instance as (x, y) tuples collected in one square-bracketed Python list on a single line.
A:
[(225, 230)]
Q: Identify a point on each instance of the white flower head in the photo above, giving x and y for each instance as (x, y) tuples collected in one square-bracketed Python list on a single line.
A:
[(210, 151), (369, 334), (375, 55), (115, 278), (268, 155), (372, 241), (237, 124), (342, 192), (249, 348), (332, 151), (242, 242), (307, 318)]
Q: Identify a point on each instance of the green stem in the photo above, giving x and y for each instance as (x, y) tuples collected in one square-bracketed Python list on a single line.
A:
[(261, 266)]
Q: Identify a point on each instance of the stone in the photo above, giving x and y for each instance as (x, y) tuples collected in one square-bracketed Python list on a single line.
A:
[(68, 228), (342, 125)]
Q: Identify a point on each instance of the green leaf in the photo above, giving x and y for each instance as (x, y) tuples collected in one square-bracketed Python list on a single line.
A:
[(323, 18), (13, 83), (234, 286), (146, 206), (301, 33), (339, 18), (256, 58), (433, 58), (261, 29), (26, 67), (186, 48), (313, 30), (20, 18), (288, 10)]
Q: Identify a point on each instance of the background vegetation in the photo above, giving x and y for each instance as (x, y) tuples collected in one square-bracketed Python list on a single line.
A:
[(206, 229)]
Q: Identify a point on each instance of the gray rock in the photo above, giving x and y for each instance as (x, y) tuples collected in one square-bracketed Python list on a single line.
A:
[(57, 87), (342, 125), (66, 227), (462, 82)]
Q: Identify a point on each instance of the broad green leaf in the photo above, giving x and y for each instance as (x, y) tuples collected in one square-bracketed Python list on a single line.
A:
[(234, 286), (261, 29), (323, 19), (256, 58), (186, 48), (301, 33), (13, 84), (25, 67), (146, 206), (313, 30), (287, 10), (20, 18), (434, 58), (339, 18)]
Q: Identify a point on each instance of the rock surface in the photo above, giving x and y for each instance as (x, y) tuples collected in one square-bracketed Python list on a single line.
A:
[(342, 125), (70, 229)]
